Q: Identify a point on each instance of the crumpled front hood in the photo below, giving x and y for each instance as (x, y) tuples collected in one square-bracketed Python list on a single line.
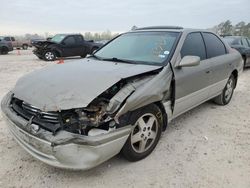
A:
[(73, 84), (42, 44)]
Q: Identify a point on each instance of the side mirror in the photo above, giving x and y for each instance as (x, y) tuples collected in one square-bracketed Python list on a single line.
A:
[(189, 61)]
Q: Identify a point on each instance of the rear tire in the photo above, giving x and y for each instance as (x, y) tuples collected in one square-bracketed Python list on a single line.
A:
[(25, 46), (244, 62), (225, 97), (4, 50), (147, 128), (94, 49), (83, 56)]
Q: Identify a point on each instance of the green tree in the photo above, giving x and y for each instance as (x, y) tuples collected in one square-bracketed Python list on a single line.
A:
[(225, 28)]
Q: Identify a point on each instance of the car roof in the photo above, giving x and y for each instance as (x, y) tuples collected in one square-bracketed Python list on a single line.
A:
[(169, 28), (68, 34)]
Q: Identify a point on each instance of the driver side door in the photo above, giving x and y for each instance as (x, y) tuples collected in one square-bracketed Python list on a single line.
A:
[(192, 83)]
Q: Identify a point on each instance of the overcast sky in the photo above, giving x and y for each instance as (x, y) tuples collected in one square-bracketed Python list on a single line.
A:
[(58, 16)]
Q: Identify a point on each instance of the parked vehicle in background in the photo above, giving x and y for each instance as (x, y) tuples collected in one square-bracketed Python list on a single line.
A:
[(34, 42), (242, 44), (103, 41), (80, 114), (5, 46), (64, 45), (18, 43)]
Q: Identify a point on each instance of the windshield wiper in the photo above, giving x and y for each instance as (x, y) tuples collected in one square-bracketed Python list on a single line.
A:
[(120, 60), (93, 55)]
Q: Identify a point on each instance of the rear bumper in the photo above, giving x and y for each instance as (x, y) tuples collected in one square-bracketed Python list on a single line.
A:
[(64, 150)]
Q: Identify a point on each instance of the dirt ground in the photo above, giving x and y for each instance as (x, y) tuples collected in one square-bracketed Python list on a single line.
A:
[(208, 146)]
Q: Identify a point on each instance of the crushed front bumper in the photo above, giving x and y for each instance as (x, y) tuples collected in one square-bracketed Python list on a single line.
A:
[(65, 149), (39, 52)]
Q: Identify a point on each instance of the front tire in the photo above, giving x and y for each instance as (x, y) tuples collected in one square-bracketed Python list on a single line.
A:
[(49, 56), (147, 128), (225, 97)]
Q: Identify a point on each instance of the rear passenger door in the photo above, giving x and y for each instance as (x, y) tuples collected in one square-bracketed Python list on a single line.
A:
[(220, 62), (81, 48), (192, 83)]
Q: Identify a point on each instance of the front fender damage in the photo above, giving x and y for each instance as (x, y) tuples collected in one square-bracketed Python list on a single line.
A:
[(143, 92)]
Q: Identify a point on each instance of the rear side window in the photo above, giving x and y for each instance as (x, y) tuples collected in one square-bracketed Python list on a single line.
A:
[(194, 45), (214, 45), (79, 39), (244, 42), (12, 38), (69, 40)]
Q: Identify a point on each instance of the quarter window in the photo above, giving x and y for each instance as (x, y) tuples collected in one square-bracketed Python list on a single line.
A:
[(194, 46), (214, 45)]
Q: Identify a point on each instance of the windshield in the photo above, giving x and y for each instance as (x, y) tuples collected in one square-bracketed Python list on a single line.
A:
[(58, 38), (140, 47)]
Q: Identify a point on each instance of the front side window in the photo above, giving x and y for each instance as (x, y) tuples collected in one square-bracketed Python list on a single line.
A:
[(194, 46), (214, 45), (140, 47)]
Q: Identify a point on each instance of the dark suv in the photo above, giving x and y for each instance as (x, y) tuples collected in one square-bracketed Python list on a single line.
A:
[(242, 44)]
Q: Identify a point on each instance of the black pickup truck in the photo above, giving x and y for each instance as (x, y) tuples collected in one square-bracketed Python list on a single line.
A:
[(64, 45)]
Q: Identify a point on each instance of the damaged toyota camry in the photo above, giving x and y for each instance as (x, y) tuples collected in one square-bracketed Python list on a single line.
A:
[(119, 100)]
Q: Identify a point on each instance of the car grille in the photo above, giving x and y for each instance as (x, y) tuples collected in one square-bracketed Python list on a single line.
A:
[(47, 120), (51, 117)]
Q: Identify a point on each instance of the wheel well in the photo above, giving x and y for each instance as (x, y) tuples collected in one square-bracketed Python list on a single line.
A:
[(235, 74), (164, 114), (58, 54)]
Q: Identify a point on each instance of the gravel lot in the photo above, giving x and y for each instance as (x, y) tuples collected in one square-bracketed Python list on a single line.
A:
[(208, 146)]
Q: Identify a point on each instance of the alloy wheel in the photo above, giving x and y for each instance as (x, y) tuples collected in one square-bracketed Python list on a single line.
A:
[(229, 89), (144, 133), (49, 56)]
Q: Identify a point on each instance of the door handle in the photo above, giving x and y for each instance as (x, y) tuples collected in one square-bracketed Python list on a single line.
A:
[(208, 71)]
